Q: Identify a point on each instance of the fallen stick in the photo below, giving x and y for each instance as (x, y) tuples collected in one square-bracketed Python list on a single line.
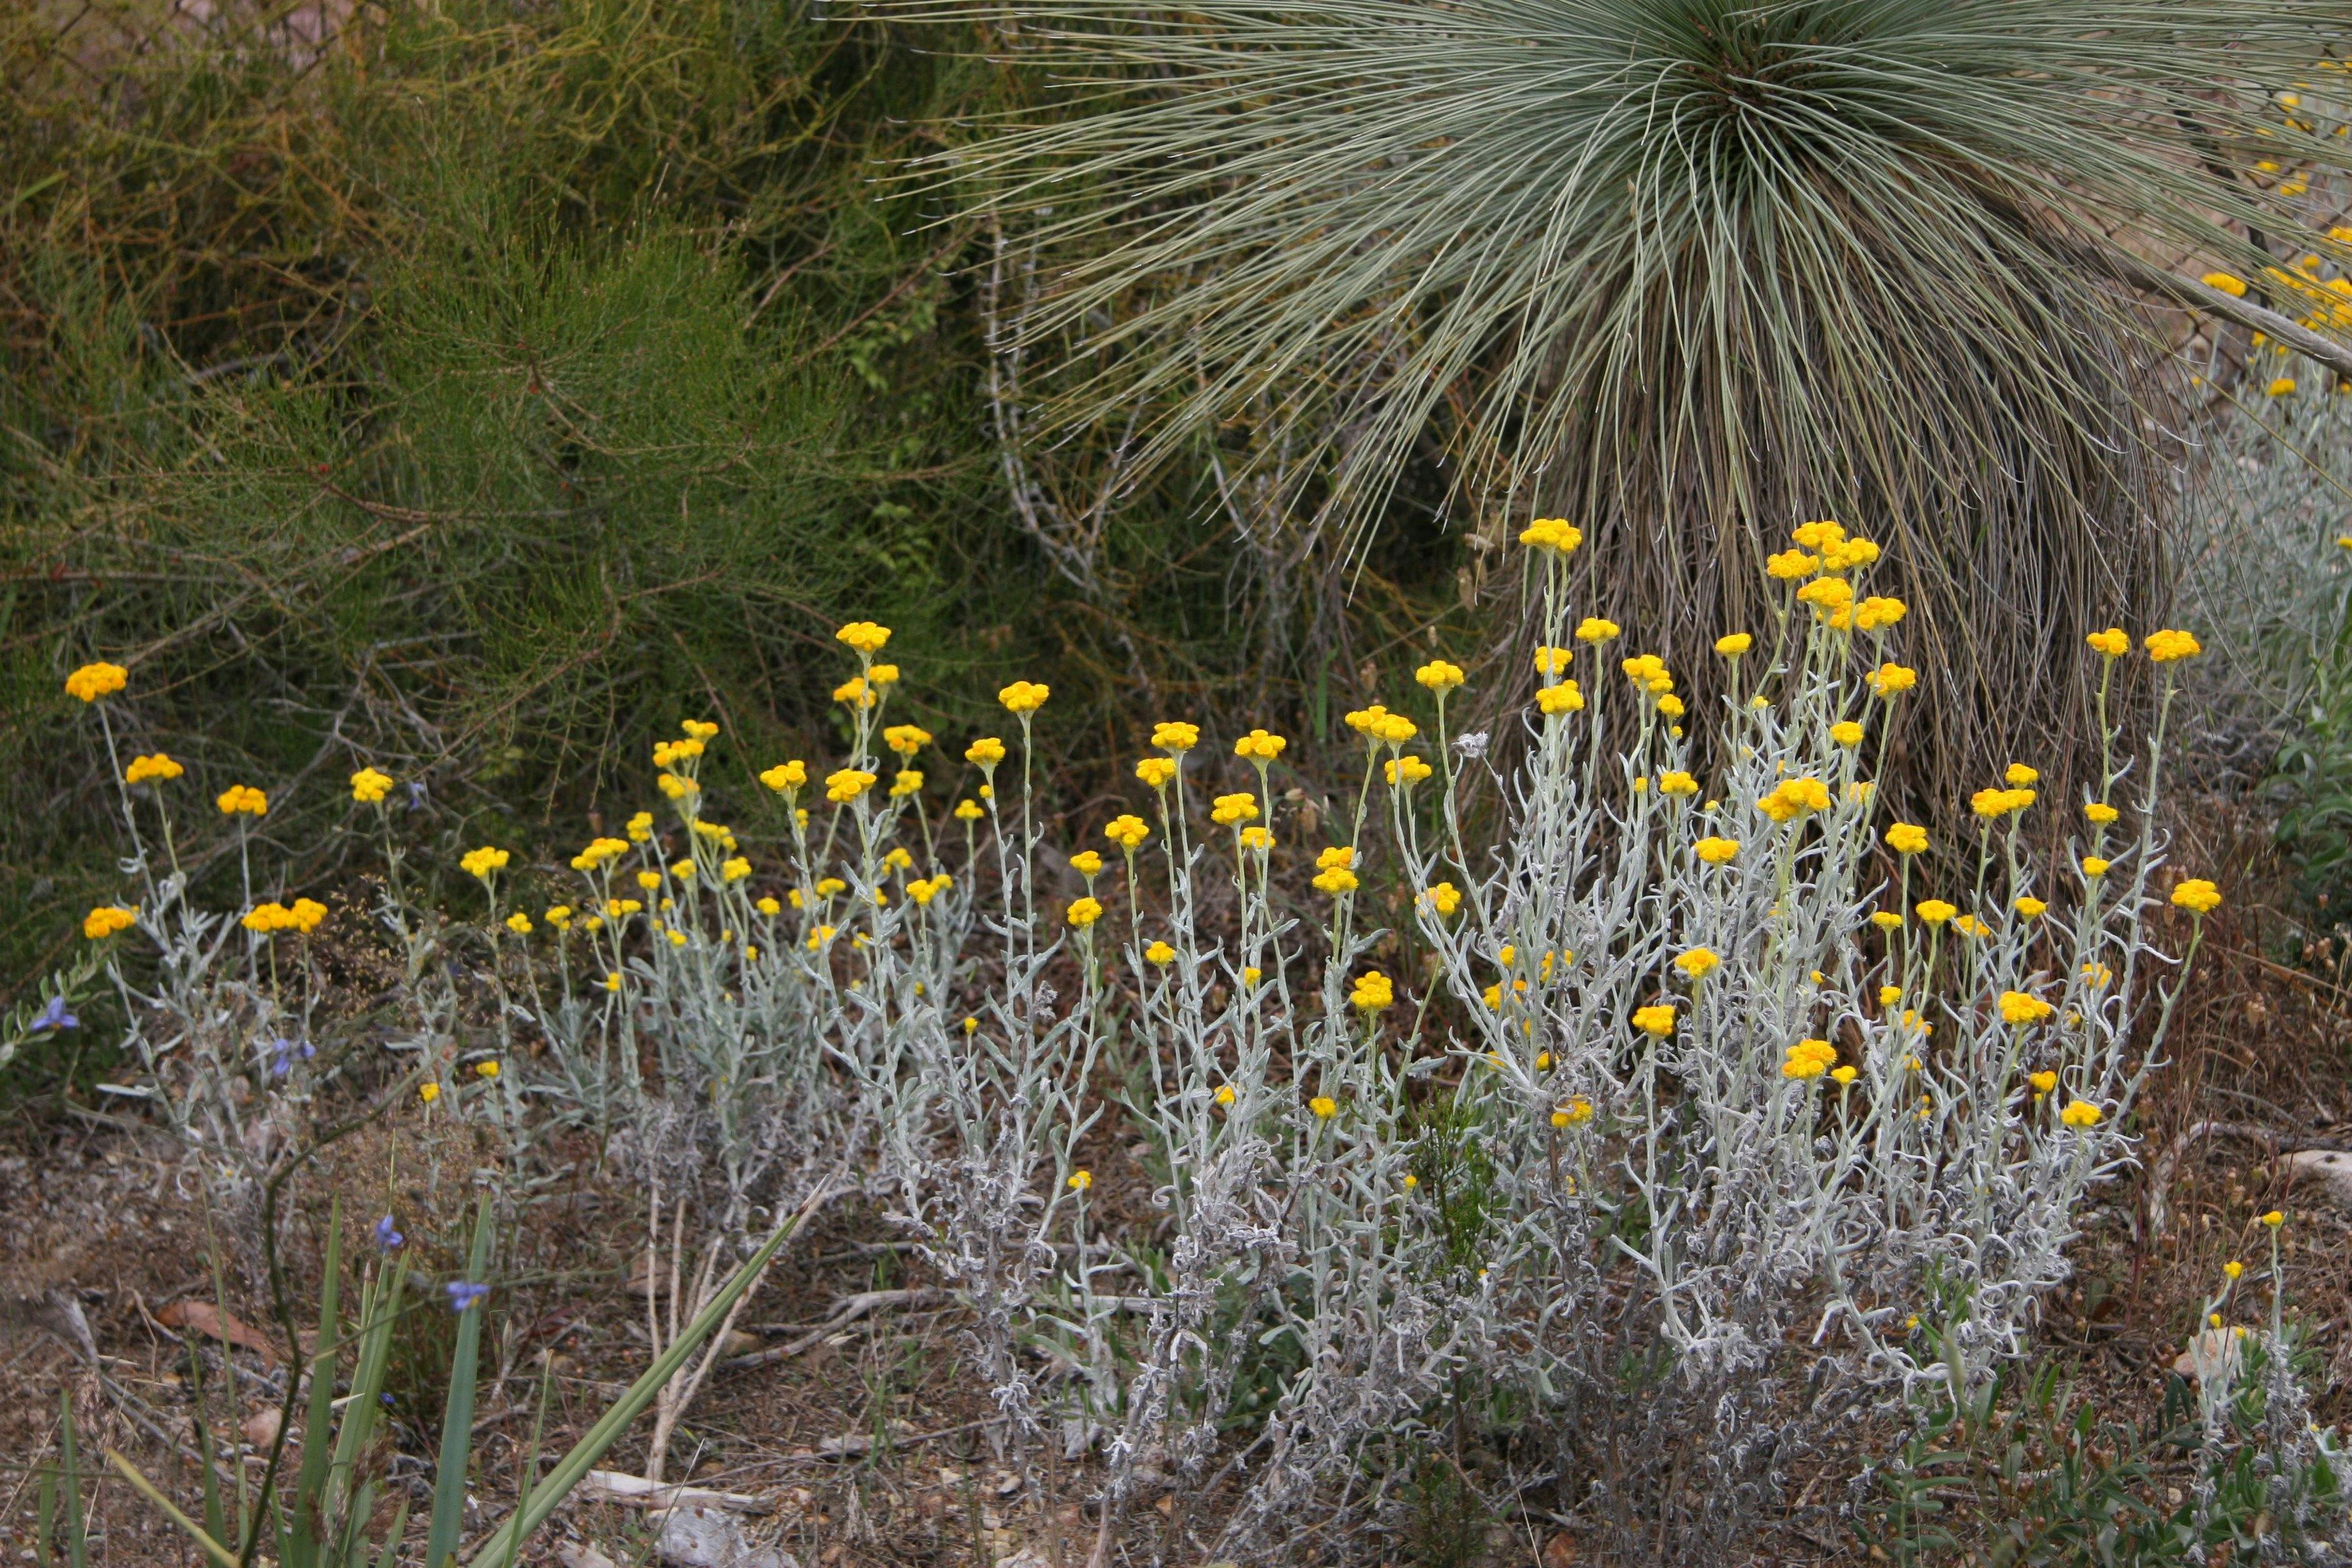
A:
[(848, 1312), (635, 1491)]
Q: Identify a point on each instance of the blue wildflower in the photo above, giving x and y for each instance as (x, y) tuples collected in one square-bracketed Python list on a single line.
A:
[(464, 1293), (55, 1017), (386, 1237)]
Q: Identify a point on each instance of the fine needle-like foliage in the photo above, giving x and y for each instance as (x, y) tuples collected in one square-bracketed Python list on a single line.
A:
[(1699, 265)]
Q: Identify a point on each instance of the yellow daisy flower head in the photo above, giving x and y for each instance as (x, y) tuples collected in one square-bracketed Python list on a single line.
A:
[(1405, 770), (2164, 646), (969, 810), (1324, 1107), (1889, 679), (1698, 963), (484, 863), (1127, 831), (1444, 897), (985, 752), (1593, 629), (2229, 283), (1175, 736), (2101, 813), (1232, 810), (1161, 954), (1551, 660), (1259, 746), (1788, 566), (2093, 866), (845, 785), (1373, 992), (1906, 838), (905, 739), (1846, 733), (2030, 906), (1656, 1020), (1084, 912), (2020, 1008), (1935, 911), (370, 786), (1156, 770), (243, 800), (2080, 1114), (1734, 645), (2113, 643), (1886, 919)]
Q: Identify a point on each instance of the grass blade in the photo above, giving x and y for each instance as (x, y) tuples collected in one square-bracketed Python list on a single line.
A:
[(458, 1421)]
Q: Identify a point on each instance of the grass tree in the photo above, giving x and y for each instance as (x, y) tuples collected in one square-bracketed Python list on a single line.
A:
[(1709, 267)]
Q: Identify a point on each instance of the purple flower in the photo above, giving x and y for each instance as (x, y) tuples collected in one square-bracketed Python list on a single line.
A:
[(464, 1293), (282, 1053), (55, 1017), (386, 1237)]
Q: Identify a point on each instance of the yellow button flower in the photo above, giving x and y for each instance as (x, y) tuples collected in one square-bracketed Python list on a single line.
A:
[(1439, 676), (1156, 770), (1886, 919), (2274, 1219), (846, 785), (1698, 963), (243, 800), (1086, 863), (92, 682), (1084, 912), (1127, 831), (2165, 646), (370, 786), (1734, 645), (905, 739), (2030, 907), (2101, 813), (2113, 643), (1232, 810), (1593, 629), (2229, 283), (1373, 992), (984, 752), (2093, 866), (2080, 1114), (1846, 733), (969, 811), (1889, 679), (2198, 896), (1716, 851), (1555, 535), (428, 1091), (1563, 697), (483, 863), (1906, 838), (1024, 696), (1787, 565), (1552, 661), (864, 637), (1406, 771), (1175, 736), (1935, 911), (909, 781), (519, 924), (1444, 898), (106, 919), (1809, 1059), (2020, 1008), (1324, 1107), (1161, 954), (1081, 1180), (1656, 1020), (156, 768), (1257, 746)]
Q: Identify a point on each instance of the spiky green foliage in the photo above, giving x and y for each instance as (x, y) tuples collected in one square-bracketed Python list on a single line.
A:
[(1687, 271)]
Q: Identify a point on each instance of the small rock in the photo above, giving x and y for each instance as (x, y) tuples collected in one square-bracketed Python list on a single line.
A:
[(1558, 1551), (698, 1537), (262, 1426), (582, 1554), (2212, 1350), (2327, 1167)]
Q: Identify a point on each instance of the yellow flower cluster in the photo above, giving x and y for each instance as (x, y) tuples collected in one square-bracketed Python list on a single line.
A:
[(483, 862), (845, 785), (2101, 813), (1676, 782), (864, 637), (1335, 870), (1444, 898), (1175, 736), (2165, 646), (599, 853), (1084, 912), (1716, 851), (1373, 992), (1656, 1020), (1794, 797), (909, 781), (1846, 732), (855, 692), (1698, 963), (1649, 672), (1555, 535), (669, 753), (1553, 661), (1232, 810), (1809, 1059), (1439, 676), (106, 919), (2197, 895), (923, 890), (265, 919), (1257, 839), (153, 769), (1259, 747), (2080, 1114), (905, 739), (1564, 697), (369, 787), (1890, 678), (92, 682), (2020, 1008), (1127, 831), (243, 800), (1993, 804), (1024, 697), (1377, 724), (2113, 643), (1593, 629), (1406, 771), (1733, 645), (785, 777), (1086, 863), (1935, 911)]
